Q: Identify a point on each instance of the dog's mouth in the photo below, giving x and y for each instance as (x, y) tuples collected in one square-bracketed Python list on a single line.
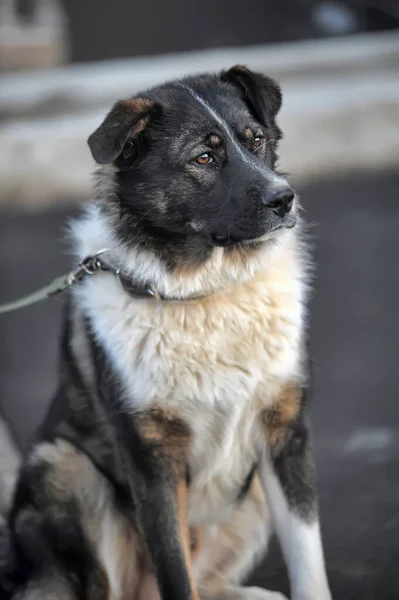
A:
[(287, 222)]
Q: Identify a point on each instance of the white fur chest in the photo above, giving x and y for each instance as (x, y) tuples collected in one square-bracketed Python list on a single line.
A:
[(217, 361)]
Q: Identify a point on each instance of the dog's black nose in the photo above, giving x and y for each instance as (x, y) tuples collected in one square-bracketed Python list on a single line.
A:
[(280, 200)]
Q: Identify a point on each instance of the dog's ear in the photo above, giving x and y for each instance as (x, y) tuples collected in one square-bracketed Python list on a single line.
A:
[(262, 93), (125, 121)]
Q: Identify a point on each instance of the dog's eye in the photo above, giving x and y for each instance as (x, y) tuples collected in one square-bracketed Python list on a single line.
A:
[(258, 142), (204, 159)]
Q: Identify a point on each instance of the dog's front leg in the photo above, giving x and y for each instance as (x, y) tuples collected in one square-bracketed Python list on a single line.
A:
[(156, 452), (288, 478)]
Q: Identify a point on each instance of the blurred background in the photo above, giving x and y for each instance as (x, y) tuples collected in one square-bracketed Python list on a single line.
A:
[(64, 63)]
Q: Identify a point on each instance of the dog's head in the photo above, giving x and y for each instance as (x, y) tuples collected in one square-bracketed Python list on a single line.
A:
[(193, 168)]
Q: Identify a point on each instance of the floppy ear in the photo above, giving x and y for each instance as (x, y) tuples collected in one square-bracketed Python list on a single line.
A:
[(262, 93), (124, 121)]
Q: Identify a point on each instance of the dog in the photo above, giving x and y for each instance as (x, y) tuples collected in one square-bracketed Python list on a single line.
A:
[(178, 439)]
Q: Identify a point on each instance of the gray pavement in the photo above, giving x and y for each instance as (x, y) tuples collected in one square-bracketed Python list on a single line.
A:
[(355, 332)]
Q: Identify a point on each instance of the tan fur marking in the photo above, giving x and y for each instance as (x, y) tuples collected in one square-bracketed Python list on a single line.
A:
[(239, 68), (277, 418), (140, 126), (164, 430), (248, 134), (137, 105), (195, 541), (214, 141), (185, 532)]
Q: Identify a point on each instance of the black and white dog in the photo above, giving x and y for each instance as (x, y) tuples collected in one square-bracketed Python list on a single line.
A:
[(178, 438)]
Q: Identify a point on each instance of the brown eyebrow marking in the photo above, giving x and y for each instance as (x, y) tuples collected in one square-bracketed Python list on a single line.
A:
[(137, 105), (248, 134), (214, 141)]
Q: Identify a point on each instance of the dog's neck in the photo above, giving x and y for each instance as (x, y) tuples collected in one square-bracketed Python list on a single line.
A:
[(222, 271)]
